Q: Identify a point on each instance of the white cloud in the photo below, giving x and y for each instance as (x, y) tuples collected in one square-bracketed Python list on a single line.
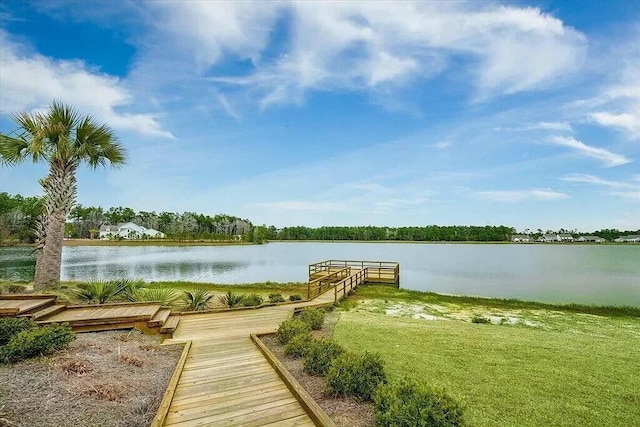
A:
[(629, 122), (516, 196), (31, 81), (629, 190), (368, 45), (608, 158)]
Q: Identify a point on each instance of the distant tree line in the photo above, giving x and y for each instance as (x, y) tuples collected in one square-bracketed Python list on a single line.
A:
[(430, 233)]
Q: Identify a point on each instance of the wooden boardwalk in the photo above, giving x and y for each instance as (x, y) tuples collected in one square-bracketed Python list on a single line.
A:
[(226, 381)]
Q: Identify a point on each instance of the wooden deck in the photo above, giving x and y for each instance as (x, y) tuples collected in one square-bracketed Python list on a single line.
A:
[(223, 378)]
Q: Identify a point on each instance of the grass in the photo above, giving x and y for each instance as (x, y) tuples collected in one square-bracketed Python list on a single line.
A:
[(568, 367)]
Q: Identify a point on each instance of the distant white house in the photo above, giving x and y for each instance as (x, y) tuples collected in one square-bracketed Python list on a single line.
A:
[(565, 237), (628, 239), (521, 238), (129, 230), (591, 239), (553, 237)]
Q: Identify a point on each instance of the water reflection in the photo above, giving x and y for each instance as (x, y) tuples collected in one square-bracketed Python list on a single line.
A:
[(593, 274)]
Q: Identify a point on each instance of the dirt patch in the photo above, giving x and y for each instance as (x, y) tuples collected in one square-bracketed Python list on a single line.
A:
[(345, 412), (102, 379)]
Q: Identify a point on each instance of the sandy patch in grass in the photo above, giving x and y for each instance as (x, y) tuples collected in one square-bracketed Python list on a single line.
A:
[(102, 379)]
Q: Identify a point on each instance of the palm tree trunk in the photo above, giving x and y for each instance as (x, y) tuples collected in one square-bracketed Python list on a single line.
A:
[(60, 194)]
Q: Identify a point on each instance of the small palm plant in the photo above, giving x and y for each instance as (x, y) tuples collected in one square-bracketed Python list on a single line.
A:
[(100, 291), (231, 299), (162, 294), (127, 288), (197, 299)]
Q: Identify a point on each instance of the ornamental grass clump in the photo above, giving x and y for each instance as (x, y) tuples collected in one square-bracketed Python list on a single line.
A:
[(290, 328), (275, 298), (354, 374), (252, 300), (320, 356), (313, 316), (299, 345), (410, 403), (36, 342), (295, 297), (11, 326)]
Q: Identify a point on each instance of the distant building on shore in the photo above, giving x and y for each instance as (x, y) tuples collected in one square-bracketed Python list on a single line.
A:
[(130, 231), (521, 238), (553, 238), (591, 239), (628, 239)]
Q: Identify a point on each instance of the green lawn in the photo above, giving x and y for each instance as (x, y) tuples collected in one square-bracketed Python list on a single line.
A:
[(543, 366)]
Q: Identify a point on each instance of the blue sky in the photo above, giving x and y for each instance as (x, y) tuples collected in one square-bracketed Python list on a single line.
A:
[(368, 113)]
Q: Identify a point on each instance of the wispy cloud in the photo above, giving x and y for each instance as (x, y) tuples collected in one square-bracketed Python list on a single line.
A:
[(629, 190), (608, 158), (515, 196), (31, 81)]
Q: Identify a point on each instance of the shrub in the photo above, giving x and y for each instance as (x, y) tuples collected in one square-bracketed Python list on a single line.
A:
[(299, 345), (126, 288), (479, 319), (252, 300), (295, 297), (231, 299), (100, 291), (409, 403), (10, 326), (290, 328), (320, 356), (36, 342), (162, 294), (354, 374), (15, 288), (313, 316), (197, 299), (273, 298)]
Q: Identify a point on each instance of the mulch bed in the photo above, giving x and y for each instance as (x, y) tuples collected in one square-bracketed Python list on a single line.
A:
[(102, 379), (345, 412)]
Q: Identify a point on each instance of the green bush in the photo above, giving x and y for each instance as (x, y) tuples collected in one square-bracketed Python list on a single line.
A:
[(36, 342), (313, 316), (320, 356), (409, 403), (10, 326), (97, 291), (299, 345), (290, 328), (295, 297), (479, 319), (15, 288), (231, 299), (354, 374), (252, 300), (274, 298), (165, 295)]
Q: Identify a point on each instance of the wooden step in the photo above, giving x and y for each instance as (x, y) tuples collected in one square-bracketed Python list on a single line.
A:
[(159, 318), (41, 314), (170, 325), (15, 306)]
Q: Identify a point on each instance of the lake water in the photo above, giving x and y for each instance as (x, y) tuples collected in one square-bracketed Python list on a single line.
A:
[(607, 274)]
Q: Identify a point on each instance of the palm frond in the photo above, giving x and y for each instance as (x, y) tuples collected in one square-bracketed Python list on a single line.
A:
[(197, 299)]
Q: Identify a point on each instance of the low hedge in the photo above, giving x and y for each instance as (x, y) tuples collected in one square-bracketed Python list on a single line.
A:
[(299, 345), (412, 404), (290, 328), (313, 316), (320, 356), (11, 326), (36, 342), (354, 374)]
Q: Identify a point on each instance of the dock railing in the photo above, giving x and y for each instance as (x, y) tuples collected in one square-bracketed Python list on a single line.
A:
[(345, 286), (376, 271), (323, 283)]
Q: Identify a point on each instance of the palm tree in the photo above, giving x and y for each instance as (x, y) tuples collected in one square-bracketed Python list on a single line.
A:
[(65, 140)]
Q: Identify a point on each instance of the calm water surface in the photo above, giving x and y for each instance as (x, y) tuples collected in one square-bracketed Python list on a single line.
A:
[(592, 274)]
